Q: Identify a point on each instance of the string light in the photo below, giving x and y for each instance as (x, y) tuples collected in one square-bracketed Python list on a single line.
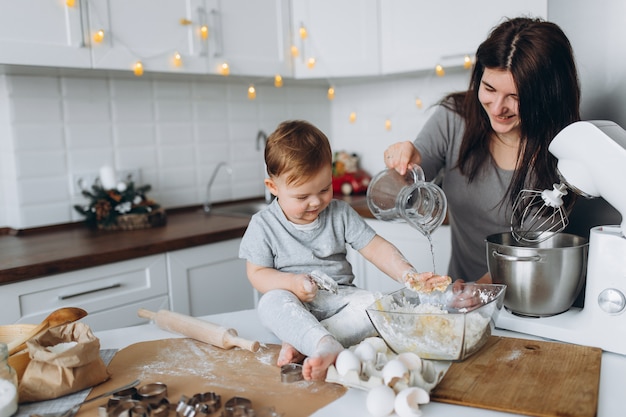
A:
[(251, 92), (303, 32), (178, 60), (70, 3), (138, 69), (225, 69), (331, 93), (204, 32), (98, 36), (467, 62)]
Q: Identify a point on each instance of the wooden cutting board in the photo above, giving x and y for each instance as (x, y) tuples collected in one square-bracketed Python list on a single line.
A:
[(189, 367), (527, 377)]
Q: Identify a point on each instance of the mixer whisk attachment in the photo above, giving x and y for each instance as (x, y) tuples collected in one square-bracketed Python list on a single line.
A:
[(538, 215)]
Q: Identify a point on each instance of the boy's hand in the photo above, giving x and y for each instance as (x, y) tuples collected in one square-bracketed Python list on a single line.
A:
[(425, 282), (305, 288)]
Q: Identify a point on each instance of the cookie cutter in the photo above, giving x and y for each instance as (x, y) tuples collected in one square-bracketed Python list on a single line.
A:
[(238, 407), (205, 403), (291, 372), (126, 394), (148, 401), (152, 394), (323, 281)]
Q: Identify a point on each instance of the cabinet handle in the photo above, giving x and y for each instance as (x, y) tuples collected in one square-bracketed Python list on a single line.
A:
[(202, 21), (77, 294), (218, 33), (84, 32)]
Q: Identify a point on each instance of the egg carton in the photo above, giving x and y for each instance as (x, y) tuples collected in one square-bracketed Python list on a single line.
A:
[(385, 368)]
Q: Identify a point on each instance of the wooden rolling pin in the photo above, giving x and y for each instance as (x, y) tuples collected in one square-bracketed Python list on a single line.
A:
[(197, 329)]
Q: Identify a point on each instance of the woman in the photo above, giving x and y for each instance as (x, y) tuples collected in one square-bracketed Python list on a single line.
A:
[(491, 141)]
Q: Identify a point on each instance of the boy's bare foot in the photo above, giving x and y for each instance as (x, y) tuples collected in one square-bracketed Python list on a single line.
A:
[(289, 354), (316, 365)]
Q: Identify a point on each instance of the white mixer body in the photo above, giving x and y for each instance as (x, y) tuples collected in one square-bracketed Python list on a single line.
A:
[(592, 160)]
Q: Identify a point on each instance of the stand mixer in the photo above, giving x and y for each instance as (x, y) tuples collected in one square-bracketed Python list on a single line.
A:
[(591, 162)]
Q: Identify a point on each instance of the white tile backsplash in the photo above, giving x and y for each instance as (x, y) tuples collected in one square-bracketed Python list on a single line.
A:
[(177, 131), (174, 131), (41, 164), (38, 136), (36, 110)]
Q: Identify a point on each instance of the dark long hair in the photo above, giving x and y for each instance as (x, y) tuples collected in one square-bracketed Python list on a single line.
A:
[(541, 61)]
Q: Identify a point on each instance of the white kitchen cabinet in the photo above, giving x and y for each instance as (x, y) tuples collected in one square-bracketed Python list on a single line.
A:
[(342, 37), (209, 279), (150, 32), (43, 33), (251, 36), (111, 294), (418, 35), (413, 245)]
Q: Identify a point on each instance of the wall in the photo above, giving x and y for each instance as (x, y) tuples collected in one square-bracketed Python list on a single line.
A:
[(393, 99), (598, 35), (174, 130)]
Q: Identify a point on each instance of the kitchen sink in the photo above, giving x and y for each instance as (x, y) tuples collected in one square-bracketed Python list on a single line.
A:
[(245, 209)]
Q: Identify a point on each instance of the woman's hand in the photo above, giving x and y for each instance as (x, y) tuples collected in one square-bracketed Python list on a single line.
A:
[(401, 155)]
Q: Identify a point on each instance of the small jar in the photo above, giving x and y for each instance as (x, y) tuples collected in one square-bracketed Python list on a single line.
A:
[(8, 384)]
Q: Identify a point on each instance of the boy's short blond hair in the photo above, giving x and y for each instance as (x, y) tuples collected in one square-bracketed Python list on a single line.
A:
[(298, 149)]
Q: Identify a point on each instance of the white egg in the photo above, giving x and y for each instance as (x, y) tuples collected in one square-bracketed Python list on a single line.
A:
[(346, 362), (412, 361), (366, 352), (407, 402), (394, 369), (380, 401), (378, 344)]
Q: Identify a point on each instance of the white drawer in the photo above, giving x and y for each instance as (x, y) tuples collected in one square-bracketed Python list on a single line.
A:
[(96, 289), (126, 315)]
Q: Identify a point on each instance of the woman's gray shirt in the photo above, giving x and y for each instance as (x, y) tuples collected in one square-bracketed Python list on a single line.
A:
[(476, 210), (272, 241)]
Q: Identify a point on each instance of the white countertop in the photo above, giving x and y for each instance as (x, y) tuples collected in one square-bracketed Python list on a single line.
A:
[(612, 376)]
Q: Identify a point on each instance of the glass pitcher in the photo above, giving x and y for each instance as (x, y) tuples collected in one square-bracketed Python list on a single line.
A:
[(410, 198)]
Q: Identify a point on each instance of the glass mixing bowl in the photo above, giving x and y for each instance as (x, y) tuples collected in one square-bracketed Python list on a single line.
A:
[(440, 326)]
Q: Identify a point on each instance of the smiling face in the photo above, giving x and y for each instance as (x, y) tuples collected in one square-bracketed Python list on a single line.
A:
[(302, 202), (498, 96)]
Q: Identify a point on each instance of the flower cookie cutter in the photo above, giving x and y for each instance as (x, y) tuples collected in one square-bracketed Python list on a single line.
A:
[(323, 281)]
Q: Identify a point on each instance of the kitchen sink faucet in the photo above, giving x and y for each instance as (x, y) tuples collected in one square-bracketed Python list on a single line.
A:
[(261, 136), (207, 202)]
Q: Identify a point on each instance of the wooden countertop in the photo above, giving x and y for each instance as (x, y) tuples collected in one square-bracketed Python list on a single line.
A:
[(37, 253)]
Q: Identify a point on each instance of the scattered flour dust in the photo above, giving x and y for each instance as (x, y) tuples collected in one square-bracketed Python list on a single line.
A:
[(197, 359), (190, 358), (513, 355)]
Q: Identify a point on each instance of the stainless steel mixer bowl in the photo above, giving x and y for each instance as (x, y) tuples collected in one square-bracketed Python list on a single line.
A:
[(542, 279)]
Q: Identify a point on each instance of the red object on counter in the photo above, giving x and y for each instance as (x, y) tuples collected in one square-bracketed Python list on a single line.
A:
[(351, 183)]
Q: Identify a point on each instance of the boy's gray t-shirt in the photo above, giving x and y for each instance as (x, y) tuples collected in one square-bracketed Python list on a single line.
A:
[(272, 241), (477, 209)]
